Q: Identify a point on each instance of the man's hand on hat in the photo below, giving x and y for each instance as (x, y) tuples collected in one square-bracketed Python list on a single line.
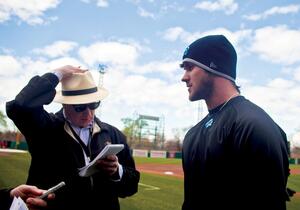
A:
[(66, 71)]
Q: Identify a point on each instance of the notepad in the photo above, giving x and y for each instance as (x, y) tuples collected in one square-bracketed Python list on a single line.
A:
[(110, 149), (18, 204)]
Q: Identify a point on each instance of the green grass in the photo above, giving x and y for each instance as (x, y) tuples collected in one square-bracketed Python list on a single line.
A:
[(294, 183), (157, 160), (13, 169), (293, 166), (169, 196)]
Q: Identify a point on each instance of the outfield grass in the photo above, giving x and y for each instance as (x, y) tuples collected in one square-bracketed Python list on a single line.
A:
[(167, 195), (155, 191), (13, 169), (157, 160)]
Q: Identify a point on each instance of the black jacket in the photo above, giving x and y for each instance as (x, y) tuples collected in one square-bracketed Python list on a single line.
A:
[(5, 199), (56, 156), (236, 158)]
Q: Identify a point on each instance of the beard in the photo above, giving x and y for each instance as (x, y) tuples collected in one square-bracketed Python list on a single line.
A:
[(203, 89)]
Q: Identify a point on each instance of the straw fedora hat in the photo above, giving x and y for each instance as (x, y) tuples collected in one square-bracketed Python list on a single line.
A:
[(80, 88)]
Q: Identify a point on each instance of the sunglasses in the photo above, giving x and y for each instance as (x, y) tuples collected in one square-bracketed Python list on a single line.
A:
[(82, 107)]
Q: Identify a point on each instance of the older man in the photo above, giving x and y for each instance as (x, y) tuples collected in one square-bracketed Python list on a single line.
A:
[(62, 143)]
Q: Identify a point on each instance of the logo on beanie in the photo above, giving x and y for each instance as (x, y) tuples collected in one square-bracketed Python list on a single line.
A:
[(212, 65), (186, 51)]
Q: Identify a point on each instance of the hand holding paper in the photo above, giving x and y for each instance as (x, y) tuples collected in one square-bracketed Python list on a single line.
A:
[(91, 168), (108, 165), (29, 194), (18, 204)]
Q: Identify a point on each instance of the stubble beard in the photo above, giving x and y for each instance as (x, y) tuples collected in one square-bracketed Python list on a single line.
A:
[(204, 89)]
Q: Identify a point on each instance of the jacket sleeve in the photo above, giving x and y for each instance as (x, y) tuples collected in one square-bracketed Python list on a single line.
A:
[(130, 179), (267, 159), (128, 185), (5, 199), (26, 110)]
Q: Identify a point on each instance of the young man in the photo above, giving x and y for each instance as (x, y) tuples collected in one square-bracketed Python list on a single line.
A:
[(237, 156), (29, 194), (62, 143)]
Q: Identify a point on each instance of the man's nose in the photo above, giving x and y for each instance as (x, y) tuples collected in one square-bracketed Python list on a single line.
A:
[(87, 111), (184, 77)]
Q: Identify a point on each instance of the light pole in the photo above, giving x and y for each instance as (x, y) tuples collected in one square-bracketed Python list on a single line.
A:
[(102, 70)]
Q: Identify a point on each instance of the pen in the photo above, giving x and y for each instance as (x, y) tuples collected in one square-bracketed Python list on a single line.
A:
[(52, 189)]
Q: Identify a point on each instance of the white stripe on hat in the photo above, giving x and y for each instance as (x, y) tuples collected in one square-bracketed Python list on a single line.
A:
[(208, 69)]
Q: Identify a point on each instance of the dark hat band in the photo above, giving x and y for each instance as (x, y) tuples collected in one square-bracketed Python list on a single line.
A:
[(208, 69), (79, 92)]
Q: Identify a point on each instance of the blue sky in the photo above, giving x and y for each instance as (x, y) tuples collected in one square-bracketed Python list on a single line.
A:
[(142, 41)]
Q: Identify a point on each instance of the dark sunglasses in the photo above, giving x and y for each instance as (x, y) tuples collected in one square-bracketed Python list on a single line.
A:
[(82, 107)]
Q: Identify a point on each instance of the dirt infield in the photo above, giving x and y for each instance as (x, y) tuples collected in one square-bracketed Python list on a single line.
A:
[(3, 154), (172, 169), (295, 171), (161, 169), (176, 170)]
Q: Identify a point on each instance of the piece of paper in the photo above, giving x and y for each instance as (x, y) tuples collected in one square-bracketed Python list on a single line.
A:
[(18, 204), (90, 169)]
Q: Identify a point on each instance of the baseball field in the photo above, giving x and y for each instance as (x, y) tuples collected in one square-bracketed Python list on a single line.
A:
[(160, 187)]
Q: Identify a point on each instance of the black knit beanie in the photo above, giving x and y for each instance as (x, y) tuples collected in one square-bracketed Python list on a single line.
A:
[(214, 54)]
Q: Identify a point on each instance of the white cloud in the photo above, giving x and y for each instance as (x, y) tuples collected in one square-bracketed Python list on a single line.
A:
[(228, 6), (160, 7), (293, 8), (10, 66), (16, 72), (58, 48), (164, 68), (131, 90), (281, 83), (102, 3), (143, 13), (172, 34), (4, 15), (237, 38), (297, 74), (132, 93), (99, 3), (295, 140), (174, 6), (277, 44), (293, 71), (280, 99), (114, 53), (62, 61), (29, 11)]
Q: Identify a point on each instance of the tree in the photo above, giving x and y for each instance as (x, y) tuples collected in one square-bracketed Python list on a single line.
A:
[(3, 122), (129, 127), (132, 129)]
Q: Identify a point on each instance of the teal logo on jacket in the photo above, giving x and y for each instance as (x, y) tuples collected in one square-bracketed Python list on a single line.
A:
[(209, 123)]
